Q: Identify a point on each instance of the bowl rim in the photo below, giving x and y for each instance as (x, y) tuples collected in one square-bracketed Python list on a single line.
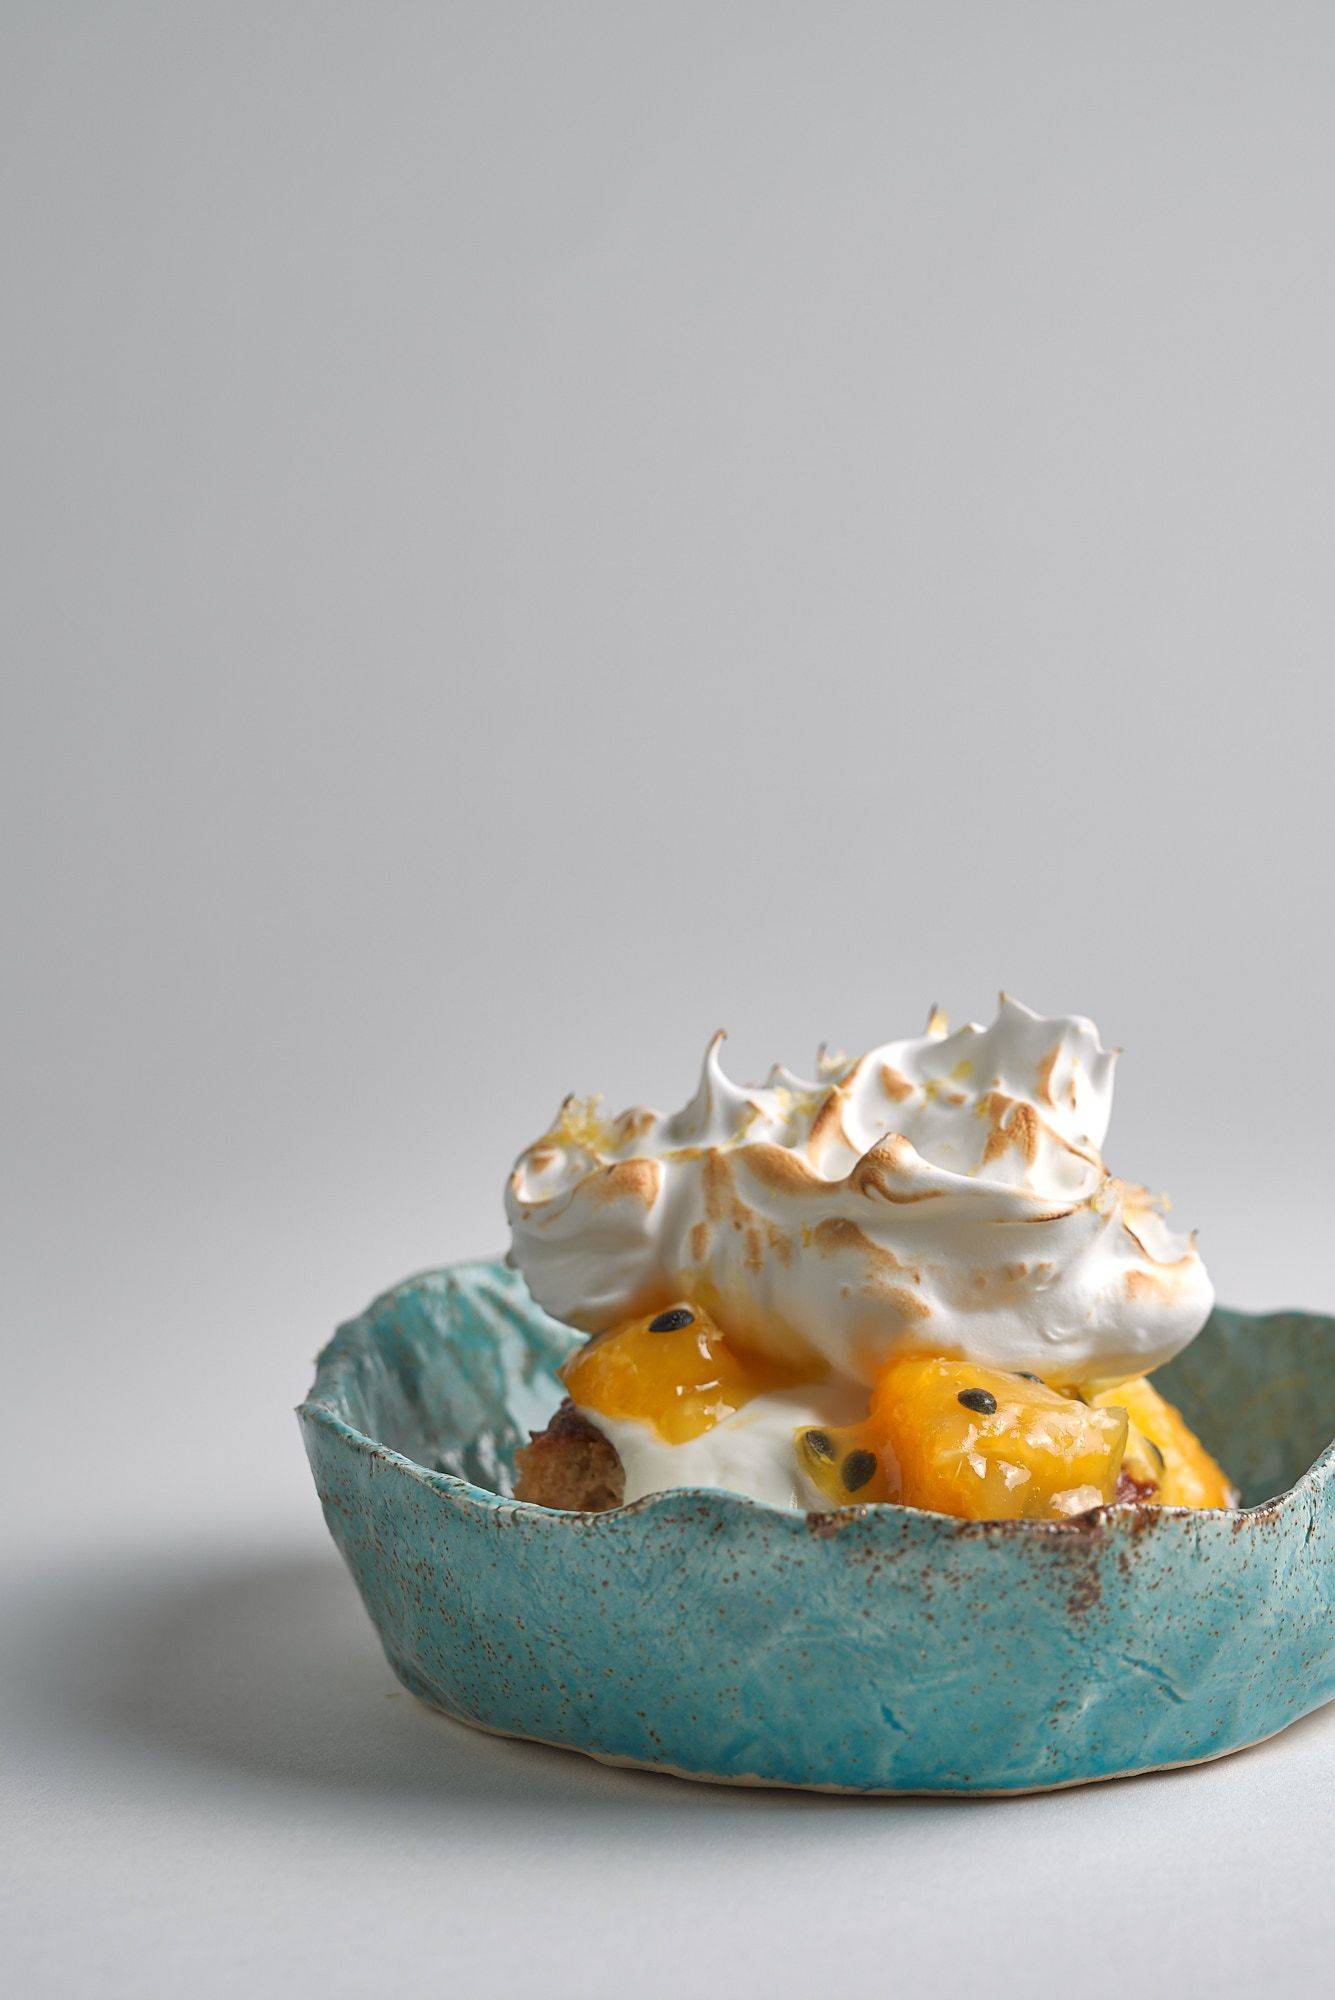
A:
[(317, 1409)]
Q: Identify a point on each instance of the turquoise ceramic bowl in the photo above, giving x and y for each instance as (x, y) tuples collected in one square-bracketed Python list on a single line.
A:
[(875, 1650)]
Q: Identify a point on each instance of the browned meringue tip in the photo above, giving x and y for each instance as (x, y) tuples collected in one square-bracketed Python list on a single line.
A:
[(743, 1179)]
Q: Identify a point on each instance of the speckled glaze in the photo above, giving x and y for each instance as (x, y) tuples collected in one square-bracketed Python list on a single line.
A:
[(874, 1650)]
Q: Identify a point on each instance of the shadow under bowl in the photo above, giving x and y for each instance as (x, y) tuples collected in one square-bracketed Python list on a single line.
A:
[(877, 1649)]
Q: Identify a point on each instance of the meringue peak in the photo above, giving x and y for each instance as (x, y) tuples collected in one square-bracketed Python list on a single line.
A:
[(779, 1204)]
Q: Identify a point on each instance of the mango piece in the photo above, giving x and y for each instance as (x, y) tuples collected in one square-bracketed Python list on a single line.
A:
[(673, 1369), (1164, 1452), (977, 1443)]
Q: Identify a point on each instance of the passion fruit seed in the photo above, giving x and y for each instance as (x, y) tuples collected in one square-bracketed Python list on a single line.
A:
[(1025, 1376), (673, 1320), (1157, 1453), (857, 1469), (981, 1400), (820, 1445)]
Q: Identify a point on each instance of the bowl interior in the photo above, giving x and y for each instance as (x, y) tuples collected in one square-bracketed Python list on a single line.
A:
[(1257, 1389), (453, 1369)]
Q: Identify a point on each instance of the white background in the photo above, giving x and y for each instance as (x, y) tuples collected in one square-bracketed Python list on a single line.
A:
[(532, 532)]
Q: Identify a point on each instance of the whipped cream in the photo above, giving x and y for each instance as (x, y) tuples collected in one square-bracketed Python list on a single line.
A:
[(943, 1194), (750, 1452)]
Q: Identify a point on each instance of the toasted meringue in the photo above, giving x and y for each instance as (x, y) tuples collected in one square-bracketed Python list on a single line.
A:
[(944, 1194)]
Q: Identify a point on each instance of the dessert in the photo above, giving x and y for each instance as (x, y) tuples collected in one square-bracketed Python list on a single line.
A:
[(911, 1279)]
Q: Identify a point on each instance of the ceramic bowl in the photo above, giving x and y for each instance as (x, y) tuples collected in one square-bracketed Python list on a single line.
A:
[(873, 1650)]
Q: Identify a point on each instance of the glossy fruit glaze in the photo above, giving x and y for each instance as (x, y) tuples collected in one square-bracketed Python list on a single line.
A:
[(673, 1369)]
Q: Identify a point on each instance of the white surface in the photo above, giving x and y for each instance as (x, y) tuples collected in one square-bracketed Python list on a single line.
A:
[(231, 1796), (531, 533)]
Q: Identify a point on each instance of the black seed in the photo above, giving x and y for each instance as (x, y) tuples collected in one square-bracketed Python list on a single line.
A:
[(673, 1320), (981, 1400), (820, 1444), (857, 1469), (1157, 1453), (1025, 1376)]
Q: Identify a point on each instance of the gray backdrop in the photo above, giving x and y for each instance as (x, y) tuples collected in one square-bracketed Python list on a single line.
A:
[(533, 532)]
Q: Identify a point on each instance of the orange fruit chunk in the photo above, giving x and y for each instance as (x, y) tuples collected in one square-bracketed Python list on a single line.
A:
[(673, 1369), (978, 1443), (1163, 1452)]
